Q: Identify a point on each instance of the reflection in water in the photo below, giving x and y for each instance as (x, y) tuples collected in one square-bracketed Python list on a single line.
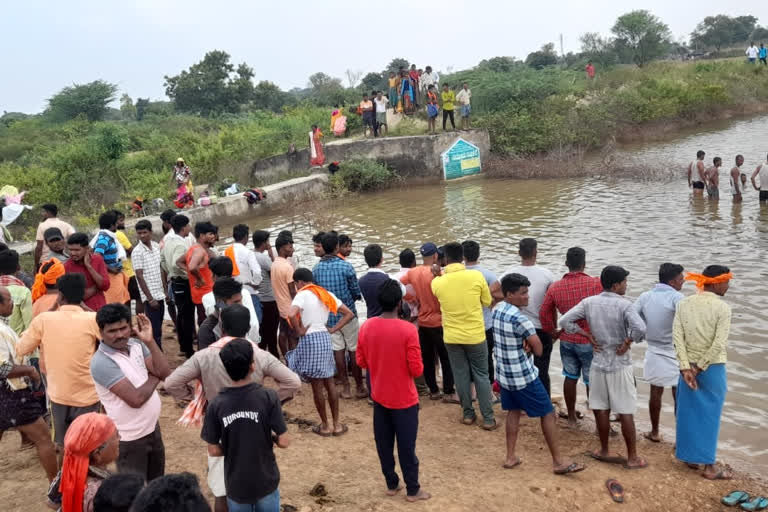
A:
[(627, 222)]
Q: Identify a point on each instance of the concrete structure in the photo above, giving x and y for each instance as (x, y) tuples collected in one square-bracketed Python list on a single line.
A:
[(415, 156)]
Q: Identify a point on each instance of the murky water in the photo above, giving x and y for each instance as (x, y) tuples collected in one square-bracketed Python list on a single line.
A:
[(633, 223)]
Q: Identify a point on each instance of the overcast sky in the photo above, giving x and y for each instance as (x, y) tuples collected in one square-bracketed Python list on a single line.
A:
[(47, 44)]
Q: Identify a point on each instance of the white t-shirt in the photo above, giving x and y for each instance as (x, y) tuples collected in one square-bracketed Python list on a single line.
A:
[(464, 96), (381, 104), (250, 270), (209, 304), (762, 177), (314, 314), (752, 52), (541, 279)]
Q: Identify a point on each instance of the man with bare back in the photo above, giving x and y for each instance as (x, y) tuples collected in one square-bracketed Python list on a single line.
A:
[(712, 179), (696, 169), (736, 186)]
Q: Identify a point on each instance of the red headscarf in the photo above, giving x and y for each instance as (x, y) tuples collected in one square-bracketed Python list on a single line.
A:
[(86, 434)]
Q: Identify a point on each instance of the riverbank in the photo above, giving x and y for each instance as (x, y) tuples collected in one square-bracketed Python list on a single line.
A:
[(459, 465)]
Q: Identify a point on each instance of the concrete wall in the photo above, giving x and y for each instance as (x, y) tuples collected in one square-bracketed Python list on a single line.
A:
[(415, 156)]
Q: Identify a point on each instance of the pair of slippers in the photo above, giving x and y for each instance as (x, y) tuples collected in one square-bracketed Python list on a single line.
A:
[(317, 429), (742, 499)]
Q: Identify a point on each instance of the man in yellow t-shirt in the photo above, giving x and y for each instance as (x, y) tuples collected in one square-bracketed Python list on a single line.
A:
[(133, 285), (449, 98), (462, 295)]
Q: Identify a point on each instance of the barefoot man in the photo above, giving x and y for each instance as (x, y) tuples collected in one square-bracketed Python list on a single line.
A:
[(657, 308), (700, 333), (712, 179), (615, 325), (521, 388), (736, 186), (696, 174)]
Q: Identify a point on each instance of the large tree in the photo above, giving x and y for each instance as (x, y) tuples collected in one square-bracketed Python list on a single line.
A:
[(542, 58), (268, 96), (723, 31), (91, 100), (395, 65), (644, 34), (373, 82), (598, 49), (325, 89), (211, 86), (498, 64)]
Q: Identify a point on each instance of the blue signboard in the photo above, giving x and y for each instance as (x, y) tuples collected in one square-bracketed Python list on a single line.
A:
[(461, 159)]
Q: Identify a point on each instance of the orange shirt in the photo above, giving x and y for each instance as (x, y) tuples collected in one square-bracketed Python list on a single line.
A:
[(429, 308), (44, 303), (205, 273), (282, 277), (69, 338)]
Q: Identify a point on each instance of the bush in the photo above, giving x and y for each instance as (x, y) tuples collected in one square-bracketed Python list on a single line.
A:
[(362, 175)]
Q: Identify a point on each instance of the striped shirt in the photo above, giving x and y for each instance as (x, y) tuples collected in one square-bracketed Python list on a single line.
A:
[(107, 247), (147, 259), (514, 367)]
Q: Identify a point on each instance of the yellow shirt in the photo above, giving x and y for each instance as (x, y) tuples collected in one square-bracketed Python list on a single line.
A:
[(462, 294), (448, 99), (127, 265), (700, 330)]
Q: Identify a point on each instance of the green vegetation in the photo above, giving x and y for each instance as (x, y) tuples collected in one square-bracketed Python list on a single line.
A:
[(362, 175)]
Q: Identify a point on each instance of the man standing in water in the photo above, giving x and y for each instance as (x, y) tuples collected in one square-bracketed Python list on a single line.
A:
[(762, 173), (615, 325), (700, 334), (712, 179), (736, 179), (657, 308), (696, 173)]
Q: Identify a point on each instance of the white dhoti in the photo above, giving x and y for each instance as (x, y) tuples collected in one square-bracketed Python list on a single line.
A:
[(661, 367)]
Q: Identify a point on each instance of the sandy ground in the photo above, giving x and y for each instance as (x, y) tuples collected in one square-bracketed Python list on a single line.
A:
[(460, 466)]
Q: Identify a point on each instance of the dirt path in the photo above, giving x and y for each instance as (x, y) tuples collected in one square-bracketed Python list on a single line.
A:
[(460, 466)]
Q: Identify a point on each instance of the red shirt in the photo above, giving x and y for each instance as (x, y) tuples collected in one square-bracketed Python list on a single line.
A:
[(564, 295), (389, 348), (97, 300), (429, 308), (590, 70)]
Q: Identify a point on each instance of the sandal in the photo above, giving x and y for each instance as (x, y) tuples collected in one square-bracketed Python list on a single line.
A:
[(608, 459), (735, 498), (723, 473), (436, 396), (643, 464), (652, 439), (517, 462), (758, 503), (344, 430), (490, 426), (616, 490), (563, 413), (574, 467), (317, 429)]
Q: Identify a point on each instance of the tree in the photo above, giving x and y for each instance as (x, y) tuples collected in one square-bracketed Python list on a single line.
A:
[(645, 34), (211, 86), (759, 34), (542, 58), (353, 77), (127, 108), (373, 82), (498, 64), (141, 108), (268, 96), (91, 100), (395, 65), (598, 49), (325, 89)]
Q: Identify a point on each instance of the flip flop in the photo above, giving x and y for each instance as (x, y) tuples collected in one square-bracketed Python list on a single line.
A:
[(435, 396), (644, 464), (563, 413), (615, 489), (344, 430), (758, 503), (607, 459), (574, 467), (317, 429), (722, 474), (735, 498), (648, 436), (511, 466)]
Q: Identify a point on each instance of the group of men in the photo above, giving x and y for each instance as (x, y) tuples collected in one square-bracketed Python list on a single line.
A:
[(491, 339), (701, 177)]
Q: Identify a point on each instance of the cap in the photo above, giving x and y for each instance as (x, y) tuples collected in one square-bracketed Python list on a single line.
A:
[(428, 249), (179, 160), (52, 234)]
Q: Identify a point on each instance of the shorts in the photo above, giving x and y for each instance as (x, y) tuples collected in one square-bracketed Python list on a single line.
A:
[(576, 359), (698, 185), (287, 331), (369, 118), (764, 195), (614, 391), (18, 408), (533, 399), (752, 60), (216, 476), (713, 192), (381, 117), (466, 110), (64, 415), (133, 290), (346, 338)]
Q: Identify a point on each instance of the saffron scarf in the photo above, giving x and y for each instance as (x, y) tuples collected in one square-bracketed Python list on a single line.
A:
[(701, 280), (49, 272), (229, 252), (325, 297), (87, 433)]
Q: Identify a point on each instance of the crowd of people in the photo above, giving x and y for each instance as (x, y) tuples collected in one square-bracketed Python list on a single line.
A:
[(75, 360), (701, 178)]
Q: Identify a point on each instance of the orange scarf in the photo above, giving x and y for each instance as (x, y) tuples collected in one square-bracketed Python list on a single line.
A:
[(86, 434), (229, 252), (49, 272), (325, 297), (701, 280)]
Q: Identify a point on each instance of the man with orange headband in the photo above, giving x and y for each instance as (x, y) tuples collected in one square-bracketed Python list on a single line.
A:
[(44, 291), (700, 333)]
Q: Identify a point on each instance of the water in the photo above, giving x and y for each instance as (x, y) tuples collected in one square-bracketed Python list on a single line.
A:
[(635, 223)]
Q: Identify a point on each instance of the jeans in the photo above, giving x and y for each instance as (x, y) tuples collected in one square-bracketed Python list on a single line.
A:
[(401, 425), (269, 503), (431, 341), (490, 342), (472, 361), (144, 456), (446, 115), (542, 362), (156, 319), (268, 328), (185, 320), (257, 307)]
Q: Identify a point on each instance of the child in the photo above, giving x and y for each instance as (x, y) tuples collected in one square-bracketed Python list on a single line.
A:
[(515, 336), (432, 109), (241, 424)]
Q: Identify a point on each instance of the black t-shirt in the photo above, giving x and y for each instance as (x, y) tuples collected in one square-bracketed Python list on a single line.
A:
[(242, 420)]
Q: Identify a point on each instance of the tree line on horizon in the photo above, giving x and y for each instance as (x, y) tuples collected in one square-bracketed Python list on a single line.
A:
[(215, 86)]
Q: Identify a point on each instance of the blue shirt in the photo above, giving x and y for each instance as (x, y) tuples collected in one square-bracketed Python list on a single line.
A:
[(338, 277), (763, 52), (107, 247), (370, 284), (514, 367), (657, 308), (491, 279)]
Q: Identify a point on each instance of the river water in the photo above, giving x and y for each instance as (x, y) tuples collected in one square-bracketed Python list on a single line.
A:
[(635, 222)]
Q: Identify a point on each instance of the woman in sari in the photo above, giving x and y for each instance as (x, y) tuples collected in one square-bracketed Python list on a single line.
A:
[(317, 157), (406, 93), (337, 112)]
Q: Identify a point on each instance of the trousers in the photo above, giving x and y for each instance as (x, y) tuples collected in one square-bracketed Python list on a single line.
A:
[(401, 425)]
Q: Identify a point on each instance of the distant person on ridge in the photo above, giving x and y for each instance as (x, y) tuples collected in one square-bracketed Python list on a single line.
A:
[(590, 70), (696, 173), (381, 112), (369, 116), (183, 178), (448, 97), (752, 53), (317, 157), (464, 97), (763, 53)]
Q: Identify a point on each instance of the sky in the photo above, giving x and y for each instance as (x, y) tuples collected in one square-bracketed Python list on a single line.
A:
[(47, 45)]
